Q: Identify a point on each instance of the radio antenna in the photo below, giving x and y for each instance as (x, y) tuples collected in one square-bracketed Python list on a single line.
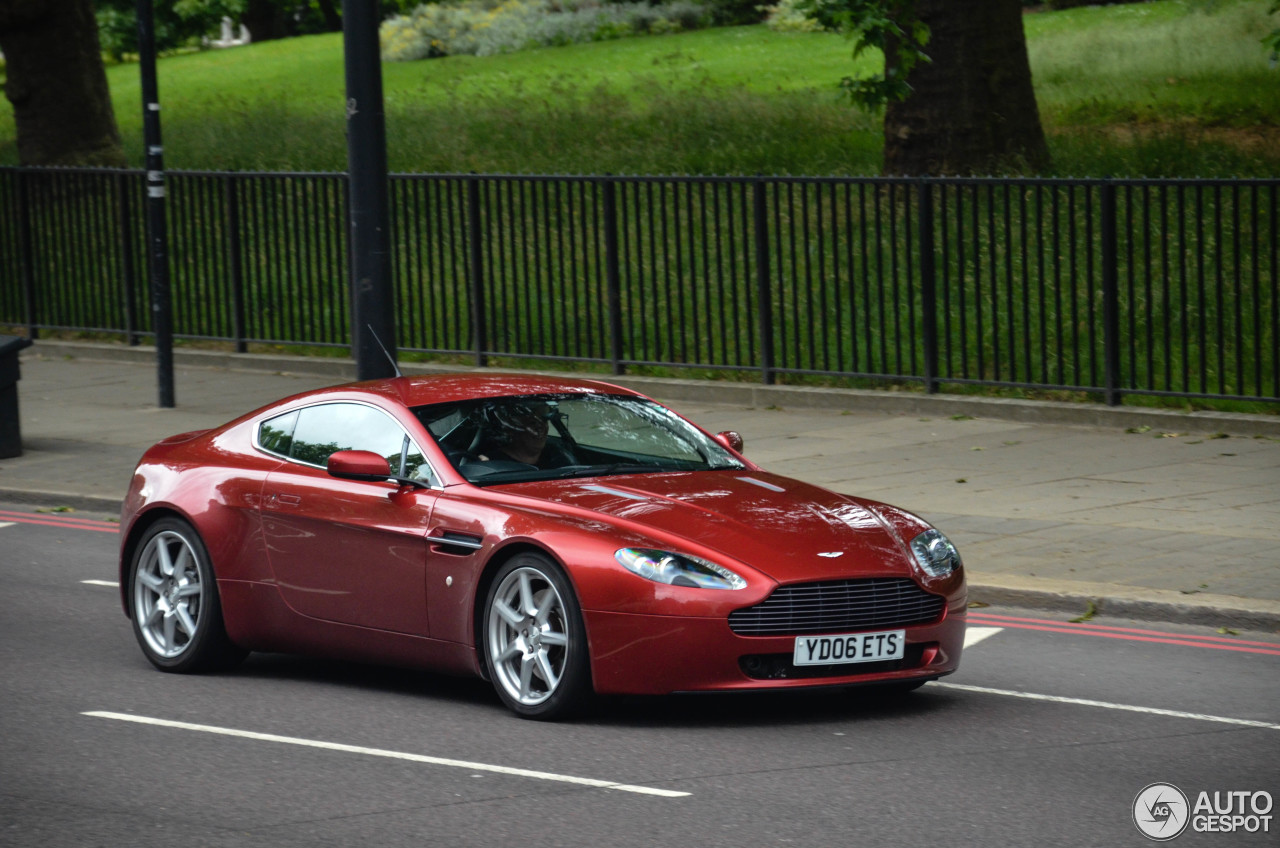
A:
[(390, 358)]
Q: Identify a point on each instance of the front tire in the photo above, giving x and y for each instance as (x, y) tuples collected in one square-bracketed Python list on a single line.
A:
[(174, 604), (534, 642)]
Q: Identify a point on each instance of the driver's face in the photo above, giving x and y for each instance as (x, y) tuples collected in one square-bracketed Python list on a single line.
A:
[(531, 427)]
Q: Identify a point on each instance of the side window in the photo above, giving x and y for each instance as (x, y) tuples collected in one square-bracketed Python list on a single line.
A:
[(276, 434), (331, 427)]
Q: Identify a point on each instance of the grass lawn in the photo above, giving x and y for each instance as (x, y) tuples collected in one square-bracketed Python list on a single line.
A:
[(1154, 89)]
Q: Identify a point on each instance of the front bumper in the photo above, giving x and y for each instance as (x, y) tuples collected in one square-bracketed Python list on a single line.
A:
[(658, 655)]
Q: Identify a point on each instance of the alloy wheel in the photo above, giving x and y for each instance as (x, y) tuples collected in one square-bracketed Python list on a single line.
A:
[(168, 594), (528, 636)]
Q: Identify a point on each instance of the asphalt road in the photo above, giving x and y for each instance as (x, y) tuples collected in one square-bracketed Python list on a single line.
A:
[(1044, 737)]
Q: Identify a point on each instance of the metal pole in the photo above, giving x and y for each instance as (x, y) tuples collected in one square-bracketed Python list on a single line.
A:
[(928, 286), (372, 296), (613, 279), (124, 185), (763, 288), (161, 304), (231, 200), (28, 263), (1110, 298), (475, 244)]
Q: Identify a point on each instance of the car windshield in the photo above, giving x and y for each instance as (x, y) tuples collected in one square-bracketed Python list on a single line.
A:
[(556, 436)]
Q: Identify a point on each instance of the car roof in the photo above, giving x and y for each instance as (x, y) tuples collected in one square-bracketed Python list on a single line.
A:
[(446, 388)]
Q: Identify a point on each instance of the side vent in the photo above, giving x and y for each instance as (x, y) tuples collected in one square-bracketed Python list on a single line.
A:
[(458, 544)]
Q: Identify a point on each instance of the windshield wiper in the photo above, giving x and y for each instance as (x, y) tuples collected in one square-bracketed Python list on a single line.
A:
[(572, 472), (616, 468)]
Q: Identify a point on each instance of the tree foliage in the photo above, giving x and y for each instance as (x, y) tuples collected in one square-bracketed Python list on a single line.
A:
[(182, 23), (1271, 40), (177, 23), (889, 26)]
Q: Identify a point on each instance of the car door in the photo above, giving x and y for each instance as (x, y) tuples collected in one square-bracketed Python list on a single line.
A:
[(341, 550)]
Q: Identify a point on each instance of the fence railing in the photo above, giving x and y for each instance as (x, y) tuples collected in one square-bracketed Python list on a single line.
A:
[(1155, 287)]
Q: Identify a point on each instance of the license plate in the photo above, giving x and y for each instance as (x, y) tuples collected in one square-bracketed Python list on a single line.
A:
[(850, 648)]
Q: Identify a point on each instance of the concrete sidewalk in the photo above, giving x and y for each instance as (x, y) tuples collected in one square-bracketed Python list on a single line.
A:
[(1145, 514)]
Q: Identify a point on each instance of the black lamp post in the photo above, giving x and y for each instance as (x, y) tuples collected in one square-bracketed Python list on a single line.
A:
[(372, 298), (157, 244)]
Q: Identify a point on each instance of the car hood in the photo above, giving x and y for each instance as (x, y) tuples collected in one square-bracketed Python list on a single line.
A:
[(786, 529)]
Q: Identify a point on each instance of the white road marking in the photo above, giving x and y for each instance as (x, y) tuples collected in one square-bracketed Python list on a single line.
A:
[(110, 583), (4, 524), (974, 635), (395, 755), (1107, 705)]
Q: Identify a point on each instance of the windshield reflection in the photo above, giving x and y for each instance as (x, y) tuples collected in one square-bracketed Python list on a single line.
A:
[(522, 438)]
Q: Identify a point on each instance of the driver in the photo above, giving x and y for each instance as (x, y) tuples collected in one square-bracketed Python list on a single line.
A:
[(516, 431)]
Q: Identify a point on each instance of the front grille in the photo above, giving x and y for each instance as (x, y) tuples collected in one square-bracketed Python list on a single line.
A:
[(838, 606)]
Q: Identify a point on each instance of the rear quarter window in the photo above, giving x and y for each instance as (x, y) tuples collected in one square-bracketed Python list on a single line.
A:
[(275, 435)]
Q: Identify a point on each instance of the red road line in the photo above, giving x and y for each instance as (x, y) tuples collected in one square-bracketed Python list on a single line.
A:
[(75, 524), (55, 516), (1089, 626), (1183, 642), (61, 516)]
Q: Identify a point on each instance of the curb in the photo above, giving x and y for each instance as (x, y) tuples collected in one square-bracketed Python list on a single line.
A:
[(736, 394), (1133, 602), (88, 503), (1108, 599)]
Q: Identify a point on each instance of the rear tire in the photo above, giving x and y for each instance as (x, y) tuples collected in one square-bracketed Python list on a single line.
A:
[(174, 603), (534, 642)]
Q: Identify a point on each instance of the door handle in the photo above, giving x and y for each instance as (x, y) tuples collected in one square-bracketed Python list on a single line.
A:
[(286, 500)]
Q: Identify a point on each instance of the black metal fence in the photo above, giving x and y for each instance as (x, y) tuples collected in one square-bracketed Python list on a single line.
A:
[(1155, 287)]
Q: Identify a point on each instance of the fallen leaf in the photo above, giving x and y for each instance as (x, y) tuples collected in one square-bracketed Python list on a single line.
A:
[(1089, 613)]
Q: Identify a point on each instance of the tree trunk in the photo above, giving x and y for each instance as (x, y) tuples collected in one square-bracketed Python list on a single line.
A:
[(56, 83), (972, 109)]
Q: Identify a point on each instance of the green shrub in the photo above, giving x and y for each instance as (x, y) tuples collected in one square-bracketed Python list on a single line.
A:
[(786, 16), (480, 28)]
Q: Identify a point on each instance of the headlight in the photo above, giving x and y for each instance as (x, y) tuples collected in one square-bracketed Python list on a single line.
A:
[(678, 569), (935, 553)]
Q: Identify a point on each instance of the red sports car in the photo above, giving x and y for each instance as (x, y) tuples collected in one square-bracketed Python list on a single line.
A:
[(558, 537)]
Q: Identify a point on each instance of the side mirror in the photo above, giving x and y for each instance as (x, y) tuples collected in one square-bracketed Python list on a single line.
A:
[(730, 439), (361, 465)]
